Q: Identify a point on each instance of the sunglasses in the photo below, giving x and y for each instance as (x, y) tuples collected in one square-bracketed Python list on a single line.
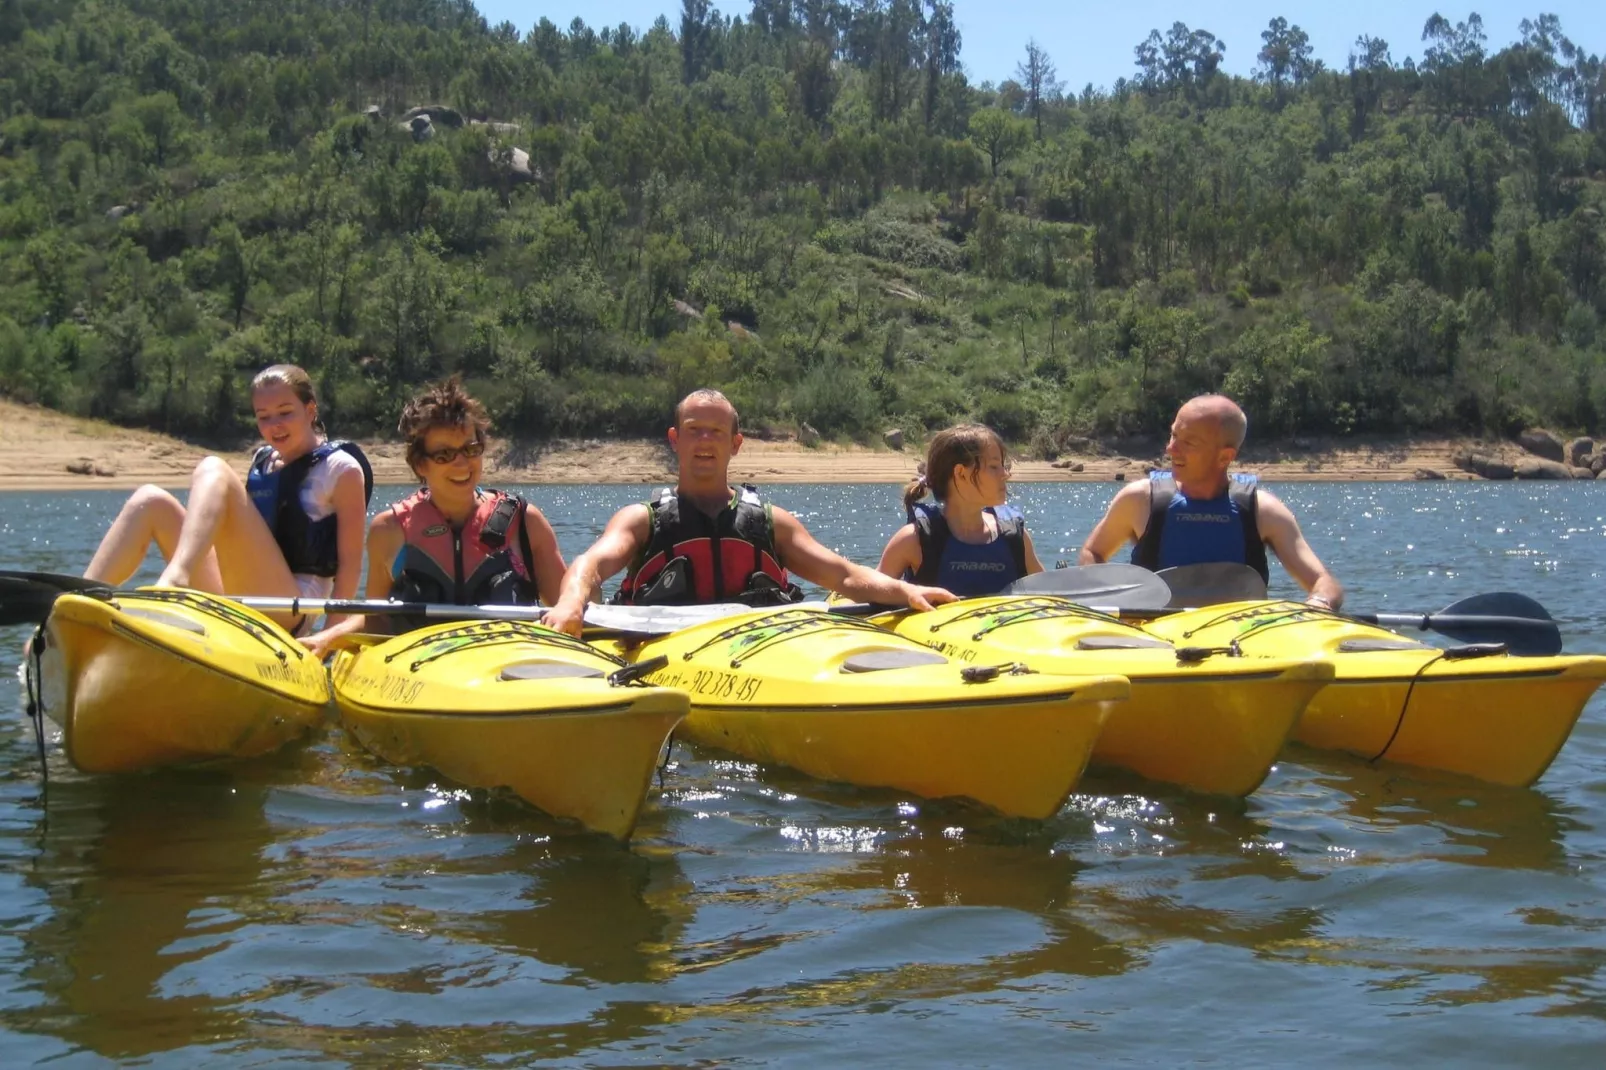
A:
[(451, 453)]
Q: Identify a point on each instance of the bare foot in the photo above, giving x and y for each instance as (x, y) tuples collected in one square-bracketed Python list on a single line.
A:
[(173, 577)]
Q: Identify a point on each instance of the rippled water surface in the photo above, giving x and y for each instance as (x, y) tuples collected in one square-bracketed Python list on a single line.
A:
[(321, 908)]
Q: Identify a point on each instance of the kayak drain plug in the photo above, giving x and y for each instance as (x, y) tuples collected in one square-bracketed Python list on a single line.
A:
[(632, 673)]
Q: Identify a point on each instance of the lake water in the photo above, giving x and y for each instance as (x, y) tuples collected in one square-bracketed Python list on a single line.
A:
[(320, 908)]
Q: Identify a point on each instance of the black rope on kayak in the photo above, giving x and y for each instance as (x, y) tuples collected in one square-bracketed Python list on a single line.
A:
[(780, 627), (1400, 723), (480, 634), (1017, 610), (1267, 617), (33, 677), (669, 753), (227, 612), (1193, 655)]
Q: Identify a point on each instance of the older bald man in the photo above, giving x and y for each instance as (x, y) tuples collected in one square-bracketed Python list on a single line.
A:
[(1201, 512)]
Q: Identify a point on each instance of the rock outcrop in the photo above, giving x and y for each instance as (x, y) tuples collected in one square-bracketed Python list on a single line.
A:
[(1542, 443), (893, 438), (1540, 468), (438, 114)]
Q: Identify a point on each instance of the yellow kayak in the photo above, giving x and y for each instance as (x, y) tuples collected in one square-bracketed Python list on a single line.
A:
[(516, 705), (1470, 710), (164, 676), (843, 700), (1212, 724)]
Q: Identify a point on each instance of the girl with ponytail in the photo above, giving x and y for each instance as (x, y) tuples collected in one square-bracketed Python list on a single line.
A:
[(967, 540)]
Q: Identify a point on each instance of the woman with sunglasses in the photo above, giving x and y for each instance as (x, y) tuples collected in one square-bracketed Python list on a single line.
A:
[(452, 542), (292, 528), (968, 542)]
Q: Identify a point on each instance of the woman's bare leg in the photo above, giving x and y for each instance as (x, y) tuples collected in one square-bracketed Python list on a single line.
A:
[(150, 515), (221, 520)]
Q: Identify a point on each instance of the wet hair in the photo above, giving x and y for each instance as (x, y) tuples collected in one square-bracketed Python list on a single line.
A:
[(442, 404), (965, 445), (706, 394), (294, 377)]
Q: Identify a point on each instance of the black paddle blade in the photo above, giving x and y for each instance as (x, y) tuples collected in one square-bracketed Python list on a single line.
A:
[(1521, 623), (1211, 584), (27, 597), (1111, 585), (60, 582), (1499, 604), (25, 603)]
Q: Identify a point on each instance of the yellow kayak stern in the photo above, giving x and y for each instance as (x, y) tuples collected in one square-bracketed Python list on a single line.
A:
[(1465, 710)]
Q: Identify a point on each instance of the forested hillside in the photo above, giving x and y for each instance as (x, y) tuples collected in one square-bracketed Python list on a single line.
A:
[(807, 204)]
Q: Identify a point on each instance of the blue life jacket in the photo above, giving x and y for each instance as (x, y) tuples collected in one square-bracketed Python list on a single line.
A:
[(1184, 531), (310, 547), (965, 568)]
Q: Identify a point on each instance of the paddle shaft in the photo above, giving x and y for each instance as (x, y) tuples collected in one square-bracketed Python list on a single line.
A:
[(1443, 621), (384, 607)]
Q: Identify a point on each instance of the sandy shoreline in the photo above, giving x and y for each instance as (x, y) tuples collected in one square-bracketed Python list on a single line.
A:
[(45, 450)]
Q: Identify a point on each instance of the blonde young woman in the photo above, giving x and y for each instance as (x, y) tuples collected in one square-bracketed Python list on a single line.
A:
[(968, 541), (453, 541), (292, 528)]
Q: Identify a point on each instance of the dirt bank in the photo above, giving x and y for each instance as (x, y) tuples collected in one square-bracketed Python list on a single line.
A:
[(45, 450)]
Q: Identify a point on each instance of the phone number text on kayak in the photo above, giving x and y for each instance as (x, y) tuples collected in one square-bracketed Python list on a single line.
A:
[(712, 683)]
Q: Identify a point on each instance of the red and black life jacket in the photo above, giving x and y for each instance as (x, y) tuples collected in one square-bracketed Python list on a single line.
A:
[(473, 566), (692, 558)]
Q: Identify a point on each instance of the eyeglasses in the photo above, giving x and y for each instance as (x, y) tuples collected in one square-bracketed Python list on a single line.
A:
[(451, 453)]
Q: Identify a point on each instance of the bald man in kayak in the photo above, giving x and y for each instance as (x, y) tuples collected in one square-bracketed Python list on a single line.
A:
[(703, 541), (1201, 513)]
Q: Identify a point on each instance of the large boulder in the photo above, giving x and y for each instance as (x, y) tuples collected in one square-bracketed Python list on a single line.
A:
[(893, 438), (374, 113), (1580, 472), (1579, 450), (807, 435), (1429, 473), (419, 126), (1597, 463), (514, 161), (439, 114), (1540, 468), (1492, 467), (1542, 443)]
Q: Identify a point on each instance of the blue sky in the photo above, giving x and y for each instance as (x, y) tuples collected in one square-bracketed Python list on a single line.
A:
[(1092, 42)]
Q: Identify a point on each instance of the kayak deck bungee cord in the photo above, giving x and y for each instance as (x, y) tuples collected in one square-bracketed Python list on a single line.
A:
[(1205, 720), (1473, 709), (491, 704), (843, 700)]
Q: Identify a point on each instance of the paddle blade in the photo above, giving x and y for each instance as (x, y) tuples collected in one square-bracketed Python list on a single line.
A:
[(24, 603), (1516, 620), (1211, 584), (1499, 604), (1112, 585)]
